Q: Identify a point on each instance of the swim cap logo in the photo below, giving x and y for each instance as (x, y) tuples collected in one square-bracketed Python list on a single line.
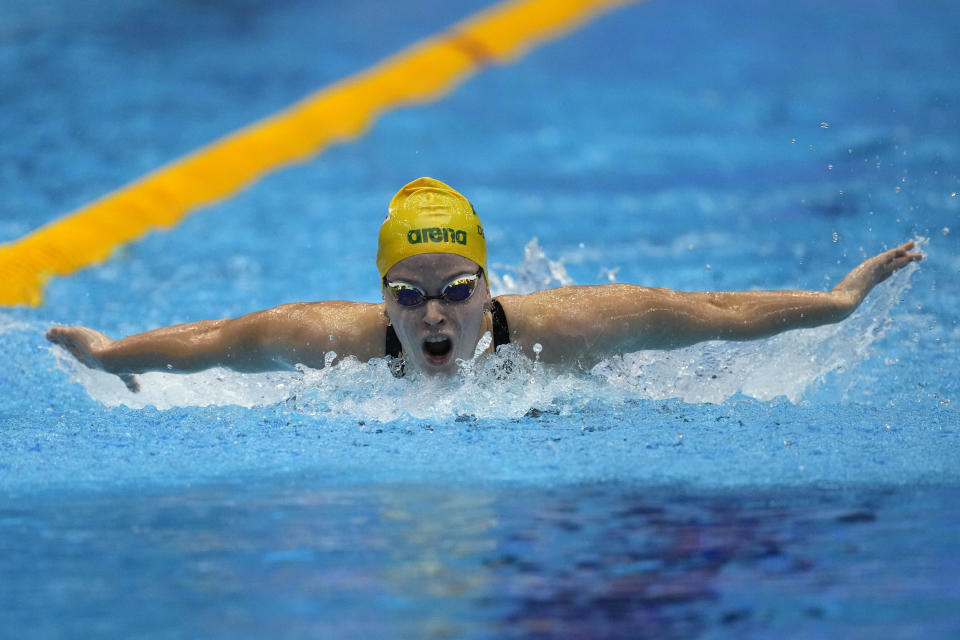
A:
[(428, 216), (436, 234)]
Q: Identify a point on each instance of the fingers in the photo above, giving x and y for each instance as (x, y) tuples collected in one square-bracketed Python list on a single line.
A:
[(72, 339), (68, 337), (887, 263), (901, 256), (57, 335), (69, 342), (904, 251), (77, 341)]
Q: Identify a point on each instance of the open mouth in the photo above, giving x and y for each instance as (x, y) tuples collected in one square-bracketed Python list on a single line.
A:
[(437, 349)]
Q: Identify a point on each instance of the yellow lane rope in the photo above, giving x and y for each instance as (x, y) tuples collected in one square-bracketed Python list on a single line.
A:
[(420, 73)]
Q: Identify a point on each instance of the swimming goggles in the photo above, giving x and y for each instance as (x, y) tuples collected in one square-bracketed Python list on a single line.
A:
[(459, 290)]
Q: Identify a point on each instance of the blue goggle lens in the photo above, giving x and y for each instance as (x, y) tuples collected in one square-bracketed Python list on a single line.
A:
[(459, 290)]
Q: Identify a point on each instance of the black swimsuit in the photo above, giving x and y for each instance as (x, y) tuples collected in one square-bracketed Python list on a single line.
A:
[(501, 336)]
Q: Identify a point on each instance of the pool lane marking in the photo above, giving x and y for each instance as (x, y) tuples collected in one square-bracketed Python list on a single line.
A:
[(421, 73)]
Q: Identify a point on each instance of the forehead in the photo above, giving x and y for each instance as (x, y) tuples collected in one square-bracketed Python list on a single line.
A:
[(431, 267)]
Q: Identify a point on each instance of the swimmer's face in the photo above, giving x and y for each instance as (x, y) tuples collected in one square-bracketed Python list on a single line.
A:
[(437, 333)]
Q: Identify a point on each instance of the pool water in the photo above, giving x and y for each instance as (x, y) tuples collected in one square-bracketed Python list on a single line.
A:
[(801, 486)]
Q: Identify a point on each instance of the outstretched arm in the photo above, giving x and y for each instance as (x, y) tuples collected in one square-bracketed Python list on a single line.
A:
[(267, 340), (584, 325)]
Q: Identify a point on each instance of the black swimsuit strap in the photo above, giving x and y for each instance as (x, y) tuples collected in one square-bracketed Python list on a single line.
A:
[(501, 336), (393, 346), (501, 330)]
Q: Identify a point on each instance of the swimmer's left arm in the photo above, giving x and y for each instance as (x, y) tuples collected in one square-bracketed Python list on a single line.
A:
[(584, 325)]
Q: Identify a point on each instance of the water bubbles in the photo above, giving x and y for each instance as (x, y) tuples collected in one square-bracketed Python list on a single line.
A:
[(506, 385), (610, 275), (824, 125), (836, 237), (534, 273), (783, 365), (945, 231), (483, 344)]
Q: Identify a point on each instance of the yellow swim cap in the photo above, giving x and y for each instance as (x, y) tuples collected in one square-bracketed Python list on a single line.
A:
[(427, 216)]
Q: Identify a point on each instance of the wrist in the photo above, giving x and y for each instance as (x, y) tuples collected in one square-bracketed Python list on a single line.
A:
[(845, 301)]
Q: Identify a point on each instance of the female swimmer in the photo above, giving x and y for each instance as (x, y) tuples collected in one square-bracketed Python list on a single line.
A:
[(436, 306)]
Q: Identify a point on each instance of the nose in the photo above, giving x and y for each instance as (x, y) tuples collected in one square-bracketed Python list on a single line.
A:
[(433, 313)]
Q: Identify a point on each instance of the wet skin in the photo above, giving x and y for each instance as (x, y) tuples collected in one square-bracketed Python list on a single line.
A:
[(437, 334), (575, 326)]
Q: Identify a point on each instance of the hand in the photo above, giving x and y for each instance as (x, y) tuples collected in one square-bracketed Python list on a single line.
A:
[(87, 346), (872, 272)]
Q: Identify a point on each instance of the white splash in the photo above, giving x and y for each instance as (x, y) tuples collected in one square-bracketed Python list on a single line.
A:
[(507, 385), (510, 385), (787, 364), (168, 390), (8, 324), (536, 272)]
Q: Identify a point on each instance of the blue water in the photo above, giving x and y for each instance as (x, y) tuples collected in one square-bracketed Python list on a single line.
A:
[(803, 486)]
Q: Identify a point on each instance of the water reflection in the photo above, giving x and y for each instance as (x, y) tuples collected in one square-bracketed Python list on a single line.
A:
[(596, 564), (405, 561)]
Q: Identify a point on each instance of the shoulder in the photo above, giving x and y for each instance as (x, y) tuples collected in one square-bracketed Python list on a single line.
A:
[(336, 309), (355, 328), (576, 324), (357, 319), (578, 302), (305, 314)]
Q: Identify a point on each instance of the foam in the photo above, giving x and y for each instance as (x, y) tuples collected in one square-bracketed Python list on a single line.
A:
[(8, 324), (510, 385), (788, 364)]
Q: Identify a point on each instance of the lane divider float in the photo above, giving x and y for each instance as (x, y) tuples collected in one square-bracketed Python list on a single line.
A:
[(344, 110)]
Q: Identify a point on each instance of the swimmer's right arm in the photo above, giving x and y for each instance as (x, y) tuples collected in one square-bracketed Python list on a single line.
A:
[(267, 340)]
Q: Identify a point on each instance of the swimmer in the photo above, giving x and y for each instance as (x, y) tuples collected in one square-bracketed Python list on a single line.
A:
[(432, 259)]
